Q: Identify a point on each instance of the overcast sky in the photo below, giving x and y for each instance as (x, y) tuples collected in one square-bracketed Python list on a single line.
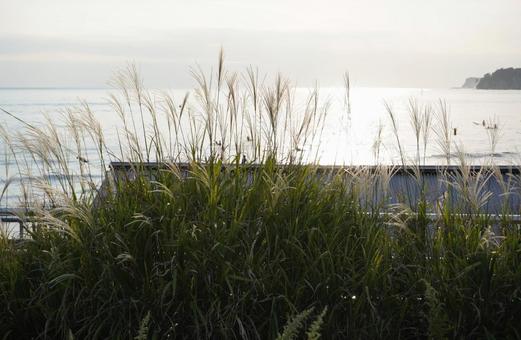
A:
[(402, 43)]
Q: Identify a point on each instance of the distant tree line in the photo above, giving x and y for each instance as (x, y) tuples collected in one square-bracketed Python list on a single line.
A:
[(502, 79)]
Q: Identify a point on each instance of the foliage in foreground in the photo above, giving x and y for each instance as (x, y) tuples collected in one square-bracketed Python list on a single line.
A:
[(232, 254), (268, 249)]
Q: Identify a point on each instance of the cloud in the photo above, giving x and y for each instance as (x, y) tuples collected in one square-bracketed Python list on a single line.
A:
[(302, 54), (374, 57), (194, 44)]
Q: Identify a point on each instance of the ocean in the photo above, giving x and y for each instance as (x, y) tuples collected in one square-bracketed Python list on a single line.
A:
[(364, 134)]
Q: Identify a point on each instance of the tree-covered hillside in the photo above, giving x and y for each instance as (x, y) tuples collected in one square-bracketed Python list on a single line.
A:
[(502, 79)]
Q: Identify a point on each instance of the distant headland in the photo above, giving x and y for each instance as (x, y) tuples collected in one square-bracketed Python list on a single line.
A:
[(502, 79)]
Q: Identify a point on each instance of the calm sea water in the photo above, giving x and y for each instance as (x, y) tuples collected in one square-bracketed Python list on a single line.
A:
[(348, 138)]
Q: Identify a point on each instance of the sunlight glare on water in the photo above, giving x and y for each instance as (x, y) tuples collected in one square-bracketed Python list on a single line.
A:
[(348, 138)]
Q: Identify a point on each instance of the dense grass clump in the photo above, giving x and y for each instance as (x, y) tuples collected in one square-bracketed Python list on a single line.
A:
[(244, 242), (232, 253)]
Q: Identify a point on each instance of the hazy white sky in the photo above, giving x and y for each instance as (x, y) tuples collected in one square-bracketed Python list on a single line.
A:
[(405, 43)]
